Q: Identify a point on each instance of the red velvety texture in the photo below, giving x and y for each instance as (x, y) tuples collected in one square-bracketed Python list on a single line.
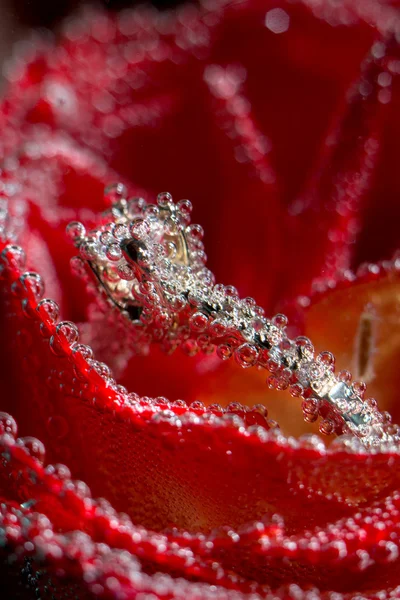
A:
[(292, 173)]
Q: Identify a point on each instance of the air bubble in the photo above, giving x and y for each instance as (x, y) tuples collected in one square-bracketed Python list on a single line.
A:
[(60, 471), (89, 250), (115, 192), (101, 368), (327, 427), (371, 403), (310, 408), (121, 232), (198, 322), (185, 207), (178, 303), (8, 425), (126, 272), (33, 282), (114, 252), (218, 328), (14, 256), (140, 229), (107, 238), (312, 441), (197, 405), (327, 359), (359, 388), (236, 407), (216, 408), (81, 489), (344, 376), (195, 232), (260, 409), (78, 266), (132, 399), (83, 351), (75, 230), (224, 351), (49, 309), (296, 390), (34, 447), (364, 430), (246, 355), (135, 207), (231, 291), (280, 321), (179, 404), (164, 199), (151, 212), (305, 348), (68, 330)]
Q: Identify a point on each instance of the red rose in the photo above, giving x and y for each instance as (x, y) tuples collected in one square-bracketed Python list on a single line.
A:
[(280, 122)]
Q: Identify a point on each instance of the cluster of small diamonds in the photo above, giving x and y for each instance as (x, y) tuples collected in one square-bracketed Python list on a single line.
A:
[(170, 297)]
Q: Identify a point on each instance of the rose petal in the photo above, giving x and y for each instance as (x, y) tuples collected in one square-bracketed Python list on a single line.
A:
[(365, 339), (151, 462)]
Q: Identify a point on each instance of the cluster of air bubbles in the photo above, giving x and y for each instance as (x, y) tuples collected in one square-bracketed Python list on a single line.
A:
[(150, 262)]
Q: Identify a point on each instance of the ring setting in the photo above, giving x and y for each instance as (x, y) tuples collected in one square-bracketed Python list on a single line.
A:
[(148, 260)]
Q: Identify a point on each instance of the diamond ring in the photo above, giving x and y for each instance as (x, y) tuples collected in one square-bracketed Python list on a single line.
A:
[(149, 262)]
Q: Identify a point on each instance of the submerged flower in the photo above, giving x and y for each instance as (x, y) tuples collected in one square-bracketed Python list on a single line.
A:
[(178, 475)]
